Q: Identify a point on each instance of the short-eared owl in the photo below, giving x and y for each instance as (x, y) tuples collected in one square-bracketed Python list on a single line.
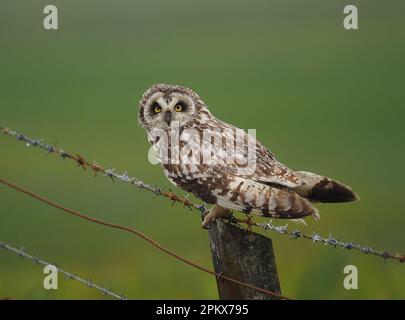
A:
[(178, 123)]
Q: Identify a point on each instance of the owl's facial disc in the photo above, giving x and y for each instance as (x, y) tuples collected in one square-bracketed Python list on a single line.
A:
[(163, 109)]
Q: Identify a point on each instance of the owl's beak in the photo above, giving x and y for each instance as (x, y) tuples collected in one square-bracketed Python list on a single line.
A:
[(168, 117)]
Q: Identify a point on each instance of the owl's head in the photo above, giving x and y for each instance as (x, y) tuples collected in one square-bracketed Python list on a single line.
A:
[(163, 104)]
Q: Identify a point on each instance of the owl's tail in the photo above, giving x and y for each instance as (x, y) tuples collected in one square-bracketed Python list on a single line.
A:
[(324, 189)]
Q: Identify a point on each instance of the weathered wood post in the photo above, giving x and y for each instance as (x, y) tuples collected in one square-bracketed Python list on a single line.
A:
[(245, 256)]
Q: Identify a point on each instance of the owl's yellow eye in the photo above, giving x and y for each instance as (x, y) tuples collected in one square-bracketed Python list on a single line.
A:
[(157, 109), (178, 107)]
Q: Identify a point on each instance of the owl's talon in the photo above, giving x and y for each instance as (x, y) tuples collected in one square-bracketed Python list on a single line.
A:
[(206, 226), (207, 221), (215, 213)]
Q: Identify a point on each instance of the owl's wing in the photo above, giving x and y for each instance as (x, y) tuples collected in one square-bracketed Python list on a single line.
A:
[(236, 193), (266, 169), (237, 187), (269, 170), (262, 191)]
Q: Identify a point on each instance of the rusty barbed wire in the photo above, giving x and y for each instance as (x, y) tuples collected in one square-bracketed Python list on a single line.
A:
[(201, 208), (140, 235), (96, 168), (22, 254)]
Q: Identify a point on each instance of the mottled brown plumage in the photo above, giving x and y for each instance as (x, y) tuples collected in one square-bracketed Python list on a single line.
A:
[(268, 188)]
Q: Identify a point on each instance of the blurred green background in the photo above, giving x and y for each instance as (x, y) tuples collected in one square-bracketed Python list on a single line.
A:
[(322, 98)]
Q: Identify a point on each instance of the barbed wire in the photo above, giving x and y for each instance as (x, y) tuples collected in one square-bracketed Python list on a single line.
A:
[(329, 241), (96, 168), (201, 208), (22, 254), (140, 235)]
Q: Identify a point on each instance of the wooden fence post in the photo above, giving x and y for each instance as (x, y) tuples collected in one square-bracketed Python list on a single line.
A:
[(245, 256)]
